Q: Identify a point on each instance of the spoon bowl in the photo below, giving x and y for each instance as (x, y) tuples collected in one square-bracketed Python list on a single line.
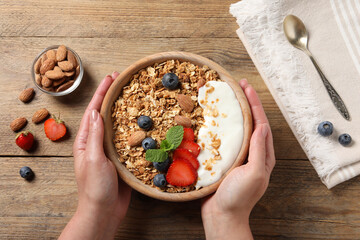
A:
[(295, 32)]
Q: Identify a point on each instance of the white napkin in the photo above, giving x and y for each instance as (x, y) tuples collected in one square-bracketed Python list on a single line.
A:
[(334, 30)]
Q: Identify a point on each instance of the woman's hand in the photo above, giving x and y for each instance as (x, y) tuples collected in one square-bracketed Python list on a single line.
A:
[(103, 198), (226, 213)]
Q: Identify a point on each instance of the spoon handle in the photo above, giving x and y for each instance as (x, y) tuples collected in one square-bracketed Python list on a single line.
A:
[(334, 96)]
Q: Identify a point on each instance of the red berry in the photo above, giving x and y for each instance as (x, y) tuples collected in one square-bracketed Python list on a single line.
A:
[(188, 134), (181, 173), (193, 147), (25, 140), (185, 154), (54, 128)]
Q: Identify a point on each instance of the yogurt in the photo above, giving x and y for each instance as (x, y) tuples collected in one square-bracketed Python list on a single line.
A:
[(221, 136)]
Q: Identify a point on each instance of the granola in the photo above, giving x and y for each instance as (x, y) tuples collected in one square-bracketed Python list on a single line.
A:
[(145, 95)]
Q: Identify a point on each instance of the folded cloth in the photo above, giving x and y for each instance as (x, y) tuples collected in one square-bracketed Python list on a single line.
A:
[(334, 37)]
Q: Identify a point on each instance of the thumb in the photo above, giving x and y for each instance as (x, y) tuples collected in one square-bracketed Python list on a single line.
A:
[(94, 146), (257, 151)]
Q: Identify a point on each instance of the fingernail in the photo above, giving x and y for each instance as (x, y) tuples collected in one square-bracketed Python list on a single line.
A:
[(94, 115), (264, 129)]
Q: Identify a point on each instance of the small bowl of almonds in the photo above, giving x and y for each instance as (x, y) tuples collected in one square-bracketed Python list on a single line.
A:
[(57, 70)]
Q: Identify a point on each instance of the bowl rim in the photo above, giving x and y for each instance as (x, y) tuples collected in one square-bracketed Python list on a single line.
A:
[(77, 81), (113, 94)]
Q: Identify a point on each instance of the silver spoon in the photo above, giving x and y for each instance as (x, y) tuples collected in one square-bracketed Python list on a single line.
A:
[(297, 35)]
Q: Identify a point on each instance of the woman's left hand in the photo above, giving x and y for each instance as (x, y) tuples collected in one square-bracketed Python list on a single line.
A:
[(103, 198)]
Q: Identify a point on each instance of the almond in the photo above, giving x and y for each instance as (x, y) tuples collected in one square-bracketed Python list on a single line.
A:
[(136, 138), (18, 124), (183, 121), (40, 115), (55, 74), (66, 66), (46, 82), (49, 89), (59, 82), (200, 83), (26, 95), (51, 54), (61, 53), (77, 72), (43, 58), (38, 79), (37, 66), (65, 86), (71, 58), (185, 102), (47, 65), (69, 74)]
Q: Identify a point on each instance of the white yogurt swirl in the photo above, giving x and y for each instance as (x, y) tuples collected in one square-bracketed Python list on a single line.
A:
[(221, 136)]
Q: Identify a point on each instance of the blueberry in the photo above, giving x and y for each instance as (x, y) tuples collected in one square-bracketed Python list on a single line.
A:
[(170, 81), (325, 128), (27, 173), (162, 166), (149, 143), (159, 180), (145, 122), (345, 139)]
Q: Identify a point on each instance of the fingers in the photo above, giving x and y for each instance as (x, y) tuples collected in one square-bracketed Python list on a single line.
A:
[(81, 137), (257, 151), (94, 143), (270, 153), (255, 103), (99, 95), (114, 75), (260, 119)]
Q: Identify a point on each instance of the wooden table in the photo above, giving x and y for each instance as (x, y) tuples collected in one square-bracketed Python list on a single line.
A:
[(110, 35)]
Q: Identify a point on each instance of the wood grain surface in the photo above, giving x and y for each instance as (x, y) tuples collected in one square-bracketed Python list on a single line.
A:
[(110, 35)]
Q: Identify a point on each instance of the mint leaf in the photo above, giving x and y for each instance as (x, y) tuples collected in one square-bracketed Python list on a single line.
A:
[(175, 135), (166, 145), (156, 155)]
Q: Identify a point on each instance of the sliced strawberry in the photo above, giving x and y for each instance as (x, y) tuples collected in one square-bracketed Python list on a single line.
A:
[(188, 134), (185, 154), (54, 128), (193, 147), (181, 173)]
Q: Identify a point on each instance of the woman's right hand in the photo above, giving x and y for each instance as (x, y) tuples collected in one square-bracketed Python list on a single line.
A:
[(226, 213)]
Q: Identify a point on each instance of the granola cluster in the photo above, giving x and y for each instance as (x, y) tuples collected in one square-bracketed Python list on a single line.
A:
[(145, 95)]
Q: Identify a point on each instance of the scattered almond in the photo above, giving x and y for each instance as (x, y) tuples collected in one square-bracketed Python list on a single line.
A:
[(18, 124), (65, 86), (46, 82), (183, 121), (47, 65), (61, 53), (55, 74), (136, 138), (66, 66), (26, 95), (185, 102), (37, 66), (40, 115), (200, 83)]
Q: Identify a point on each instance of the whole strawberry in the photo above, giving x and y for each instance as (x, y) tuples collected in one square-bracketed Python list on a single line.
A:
[(54, 128), (25, 140)]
